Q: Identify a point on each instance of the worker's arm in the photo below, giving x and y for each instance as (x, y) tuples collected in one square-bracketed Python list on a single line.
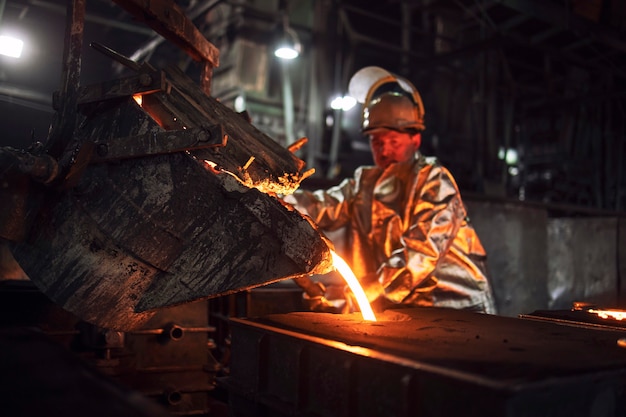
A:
[(329, 209)]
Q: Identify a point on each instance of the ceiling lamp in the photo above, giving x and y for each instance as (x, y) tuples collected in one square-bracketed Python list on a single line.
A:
[(10, 46), (344, 103), (288, 44)]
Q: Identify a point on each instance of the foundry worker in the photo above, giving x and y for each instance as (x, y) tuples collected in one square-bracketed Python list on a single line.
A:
[(409, 237)]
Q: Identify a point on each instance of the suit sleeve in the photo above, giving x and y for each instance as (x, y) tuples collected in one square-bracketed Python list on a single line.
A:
[(413, 250), (329, 209)]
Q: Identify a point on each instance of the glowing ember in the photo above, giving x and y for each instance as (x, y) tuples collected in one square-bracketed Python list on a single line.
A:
[(138, 98), (605, 314), (285, 185), (355, 286)]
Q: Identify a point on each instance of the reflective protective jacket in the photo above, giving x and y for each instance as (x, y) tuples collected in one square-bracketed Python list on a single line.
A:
[(408, 236)]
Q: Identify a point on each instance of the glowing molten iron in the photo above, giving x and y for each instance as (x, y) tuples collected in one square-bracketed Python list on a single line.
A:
[(605, 314), (355, 286), (138, 98)]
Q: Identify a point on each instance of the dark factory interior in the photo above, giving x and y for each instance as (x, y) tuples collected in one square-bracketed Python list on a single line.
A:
[(137, 278)]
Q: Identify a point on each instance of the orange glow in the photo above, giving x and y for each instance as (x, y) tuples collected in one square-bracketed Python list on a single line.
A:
[(605, 314), (286, 184), (138, 98), (355, 286)]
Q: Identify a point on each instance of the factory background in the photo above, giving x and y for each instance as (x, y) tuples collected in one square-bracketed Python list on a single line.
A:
[(525, 104), (523, 98)]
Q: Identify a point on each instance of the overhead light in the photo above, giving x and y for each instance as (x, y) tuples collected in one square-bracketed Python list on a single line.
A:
[(513, 171), (287, 52), (10, 46), (288, 44), (239, 104), (344, 103), (509, 155)]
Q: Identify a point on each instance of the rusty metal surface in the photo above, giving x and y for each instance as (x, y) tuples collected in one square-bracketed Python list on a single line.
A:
[(65, 99), (159, 143), (160, 232), (139, 234), (426, 362), (167, 18), (185, 105), (143, 83), (118, 238)]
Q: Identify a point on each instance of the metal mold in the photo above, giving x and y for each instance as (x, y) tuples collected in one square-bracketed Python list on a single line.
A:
[(423, 362)]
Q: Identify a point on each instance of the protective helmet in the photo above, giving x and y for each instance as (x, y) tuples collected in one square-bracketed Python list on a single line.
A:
[(389, 101), (392, 111)]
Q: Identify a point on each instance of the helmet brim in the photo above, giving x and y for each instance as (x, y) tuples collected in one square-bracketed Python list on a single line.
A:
[(377, 129)]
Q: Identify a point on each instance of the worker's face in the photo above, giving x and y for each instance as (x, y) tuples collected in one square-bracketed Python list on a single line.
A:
[(390, 146)]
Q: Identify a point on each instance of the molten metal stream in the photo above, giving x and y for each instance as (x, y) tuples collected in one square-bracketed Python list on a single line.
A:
[(605, 314), (355, 286)]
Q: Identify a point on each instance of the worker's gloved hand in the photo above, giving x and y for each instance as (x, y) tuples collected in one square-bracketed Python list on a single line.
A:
[(317, 297), (324, 305), (326, 300), (374, 292)]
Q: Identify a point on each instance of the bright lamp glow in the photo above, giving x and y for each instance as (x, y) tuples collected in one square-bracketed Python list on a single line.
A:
[(285, 52), (288, 44), (344, 103), (11, 46), (509, 155)]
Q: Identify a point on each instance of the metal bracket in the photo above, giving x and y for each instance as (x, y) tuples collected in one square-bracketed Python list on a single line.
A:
[(169, 141), (143, 83)]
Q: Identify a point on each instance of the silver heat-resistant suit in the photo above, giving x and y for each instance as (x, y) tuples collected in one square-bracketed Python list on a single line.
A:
[(408, 235)]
